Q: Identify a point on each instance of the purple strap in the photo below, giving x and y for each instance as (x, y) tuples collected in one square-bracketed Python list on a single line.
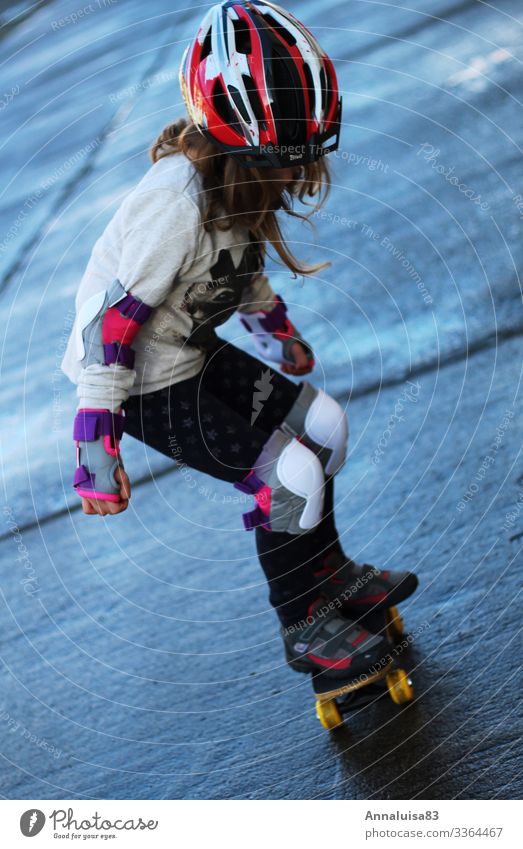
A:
[(255, 518), (90, 425), (275, 319), (114, 352), (251, 484), (246, 324), (83, 477), (134, 308)]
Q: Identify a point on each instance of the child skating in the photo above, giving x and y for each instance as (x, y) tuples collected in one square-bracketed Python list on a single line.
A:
[(185, 251)]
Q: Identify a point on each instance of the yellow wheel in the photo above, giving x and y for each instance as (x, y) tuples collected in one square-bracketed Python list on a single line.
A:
[(328, 714), (400, 686), (395, 627)]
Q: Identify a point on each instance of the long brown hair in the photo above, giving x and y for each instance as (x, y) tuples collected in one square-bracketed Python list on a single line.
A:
[(246, 195)]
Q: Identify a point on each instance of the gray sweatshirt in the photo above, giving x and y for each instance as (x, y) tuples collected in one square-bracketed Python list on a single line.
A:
[(158, 249)]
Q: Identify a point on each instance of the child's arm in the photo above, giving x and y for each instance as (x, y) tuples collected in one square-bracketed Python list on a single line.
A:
[(160, 236)]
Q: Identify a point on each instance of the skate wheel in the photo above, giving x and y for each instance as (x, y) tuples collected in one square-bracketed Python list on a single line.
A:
[(400, 687), (328, 713), (395, 626)]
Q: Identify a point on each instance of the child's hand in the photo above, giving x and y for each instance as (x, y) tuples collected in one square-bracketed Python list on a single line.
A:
[(93, 506), (302, 363)]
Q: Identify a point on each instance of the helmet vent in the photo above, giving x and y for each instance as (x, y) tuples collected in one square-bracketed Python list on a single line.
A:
[(328, 93), (310, 88), (222, 105), (281, 31), (254, 99), (206, 47), (323, 83), (238, 102), (288, 106), (242, 37)]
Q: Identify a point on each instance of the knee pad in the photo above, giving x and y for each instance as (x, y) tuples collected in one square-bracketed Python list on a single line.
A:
[(320, 423), (287, 481)]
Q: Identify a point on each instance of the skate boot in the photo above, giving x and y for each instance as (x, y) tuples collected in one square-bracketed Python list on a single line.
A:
[(357, 588), (328, 643)]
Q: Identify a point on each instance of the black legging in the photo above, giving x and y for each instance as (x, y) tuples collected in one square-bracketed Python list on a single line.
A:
[(205, 422)]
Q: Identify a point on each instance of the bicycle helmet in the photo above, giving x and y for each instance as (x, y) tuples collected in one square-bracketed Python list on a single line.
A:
[(256, 82)]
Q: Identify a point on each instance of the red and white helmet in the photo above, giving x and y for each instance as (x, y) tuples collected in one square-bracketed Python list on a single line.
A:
[(256, 82)]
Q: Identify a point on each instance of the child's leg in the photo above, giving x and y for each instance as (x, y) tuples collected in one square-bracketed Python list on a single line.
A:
[(194, 425), (191, 425), (288, 567), (299, 568), (288, 560), (325, 538)]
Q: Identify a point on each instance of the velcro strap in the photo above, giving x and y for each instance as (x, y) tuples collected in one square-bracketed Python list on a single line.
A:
[(275, 319), (255, 518), (83, 476), (134, 308), (90, 425), (123, 355), (251, 484)]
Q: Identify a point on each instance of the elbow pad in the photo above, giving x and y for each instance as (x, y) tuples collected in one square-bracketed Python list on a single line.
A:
[(107, 324), (274, 334)]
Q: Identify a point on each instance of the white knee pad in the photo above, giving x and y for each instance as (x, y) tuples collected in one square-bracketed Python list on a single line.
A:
[(301, 473), (322, 424), (288, 483)]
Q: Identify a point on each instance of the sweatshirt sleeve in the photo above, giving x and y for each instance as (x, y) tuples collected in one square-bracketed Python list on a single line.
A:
[(160, 236), (257, 296)]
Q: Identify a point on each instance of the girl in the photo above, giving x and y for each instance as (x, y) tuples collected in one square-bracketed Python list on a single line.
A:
[(184, 252)]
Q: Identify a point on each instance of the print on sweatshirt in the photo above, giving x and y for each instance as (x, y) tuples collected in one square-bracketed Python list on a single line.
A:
[(211, 304)]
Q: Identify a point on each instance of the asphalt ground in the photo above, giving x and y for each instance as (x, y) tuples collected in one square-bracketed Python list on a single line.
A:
[(139, 656)]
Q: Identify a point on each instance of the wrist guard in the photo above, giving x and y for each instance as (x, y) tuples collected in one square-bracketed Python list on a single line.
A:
[(274, 334), (97, 434)]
